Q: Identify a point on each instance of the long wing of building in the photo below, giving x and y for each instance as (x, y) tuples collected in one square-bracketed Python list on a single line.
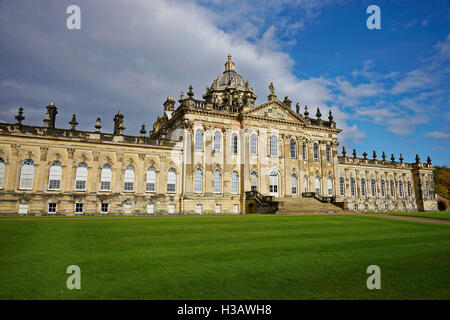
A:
[(220, 154)]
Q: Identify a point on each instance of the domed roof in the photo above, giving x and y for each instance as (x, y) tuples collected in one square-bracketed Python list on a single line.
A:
[(231, 78)]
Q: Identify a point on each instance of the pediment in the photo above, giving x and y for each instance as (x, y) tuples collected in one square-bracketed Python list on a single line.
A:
[(274, 110)]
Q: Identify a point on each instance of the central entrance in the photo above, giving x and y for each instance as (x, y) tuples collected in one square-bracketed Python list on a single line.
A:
[(273, 184)]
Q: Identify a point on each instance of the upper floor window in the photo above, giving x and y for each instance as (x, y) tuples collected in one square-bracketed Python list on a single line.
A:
[(304, 152), (81, 175), (254, 181), (363, 187), (273, 146), (316, 152), (409, 189), (427, 188), (294, 183), (2, 172), (171, 180), (54, 176), (400, 188), (328, 153), (352, 187), (26, 175), (198, 181), (234, 182), (341, 186), (217, 141), (217, 182), (383, 188), (330, 186), (373, 187), (106, 177), (254, 144), (128, 185), (392, 187), (293, 149), (234, 143), (150, 182), (198, 140)]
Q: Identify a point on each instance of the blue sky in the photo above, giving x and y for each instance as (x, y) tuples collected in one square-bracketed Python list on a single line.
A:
[(388, 88)]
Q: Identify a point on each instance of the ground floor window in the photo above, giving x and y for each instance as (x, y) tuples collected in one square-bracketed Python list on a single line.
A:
[(218, 208), (23, 208), (52, 208), (198, 208), (171, 208), (150, 208), (127, 208), (104, 208), (236, 208), (78, 207)]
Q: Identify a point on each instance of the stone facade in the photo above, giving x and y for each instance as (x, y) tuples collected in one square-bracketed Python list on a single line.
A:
[(201, 157)]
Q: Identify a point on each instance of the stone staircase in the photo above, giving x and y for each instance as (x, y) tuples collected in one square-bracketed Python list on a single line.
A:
[(299, 206)]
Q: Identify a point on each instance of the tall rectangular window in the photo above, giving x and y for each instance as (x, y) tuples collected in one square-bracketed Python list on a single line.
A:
[(234, 143), (54, 177), (294, 183), (234, 182), (171, 180), (26, 175), (198, 181), (217, 141), (273, 146), (81, 177), (328, 153), (341, 186), (316, 152), (129, 179), (106, 178), (293, 149), (150, 182), (254, 144), (2, 172), (198, 140), (304, 152), (104, 208)]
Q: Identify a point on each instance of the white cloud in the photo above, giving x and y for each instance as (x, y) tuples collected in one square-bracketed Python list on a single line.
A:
[(438, 135)]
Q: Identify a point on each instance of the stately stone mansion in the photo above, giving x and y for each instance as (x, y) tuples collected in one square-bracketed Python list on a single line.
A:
[(221, 154)]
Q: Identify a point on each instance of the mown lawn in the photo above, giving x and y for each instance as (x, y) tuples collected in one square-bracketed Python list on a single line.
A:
[(242, 257), (434, 215)]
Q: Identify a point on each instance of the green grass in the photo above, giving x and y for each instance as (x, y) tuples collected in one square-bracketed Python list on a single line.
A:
[(243, 257), (434, 215)]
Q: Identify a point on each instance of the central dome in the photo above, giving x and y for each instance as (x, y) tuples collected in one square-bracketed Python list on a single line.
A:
[(230, 78)]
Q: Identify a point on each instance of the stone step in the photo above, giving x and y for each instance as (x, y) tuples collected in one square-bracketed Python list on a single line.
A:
[(297, 205)]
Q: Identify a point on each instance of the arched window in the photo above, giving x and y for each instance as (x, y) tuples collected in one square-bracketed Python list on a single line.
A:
[(328, 153), (373, 187), (305, 157), (316, 152), (392, 187), (317, 184), (171, 180), (341, 186), (254, 181), (330, 186), (128, 185), (217, 141), (400, 189), (363, 186), (198, 140), (383, 188), (54, 176), (409, 189), (106, 178), (234, 182), (306, 183), (2, 172), (150, 180), (254, 144), (217, 182), (234, 144), (81, 176), (26, 175), (273, 146), (293, 149), (294, 183), (198, 181), (352, 187)]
